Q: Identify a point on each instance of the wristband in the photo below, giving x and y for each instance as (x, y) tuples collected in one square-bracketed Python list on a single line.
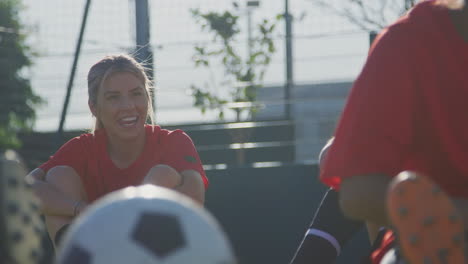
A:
[(332, 240)]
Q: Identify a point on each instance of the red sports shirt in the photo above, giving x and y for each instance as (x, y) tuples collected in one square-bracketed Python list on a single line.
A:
[(87, 154), (408, 110)]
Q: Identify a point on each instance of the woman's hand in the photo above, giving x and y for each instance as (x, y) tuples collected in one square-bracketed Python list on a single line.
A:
[(192, 185), (36, 179), (54, 201)]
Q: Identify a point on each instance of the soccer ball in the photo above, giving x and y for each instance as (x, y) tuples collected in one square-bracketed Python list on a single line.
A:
[(145, 224), (21, 226)]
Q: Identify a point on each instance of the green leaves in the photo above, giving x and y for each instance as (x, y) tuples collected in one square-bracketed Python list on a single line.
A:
[(205, 100), (243, 75), (17, 100), (223, 25)]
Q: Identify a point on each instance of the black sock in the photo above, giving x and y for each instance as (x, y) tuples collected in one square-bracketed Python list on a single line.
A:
[(330, 220), (323, 251)]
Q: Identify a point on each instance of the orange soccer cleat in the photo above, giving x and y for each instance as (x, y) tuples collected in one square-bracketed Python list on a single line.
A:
[(428, 226)]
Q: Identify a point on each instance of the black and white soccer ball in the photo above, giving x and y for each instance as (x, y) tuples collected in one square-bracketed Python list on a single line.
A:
[(145, 224), (21, 228)]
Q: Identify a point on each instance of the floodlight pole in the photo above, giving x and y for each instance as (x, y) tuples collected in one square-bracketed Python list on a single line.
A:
[(72, 73), (249, 32), (289, 61), (251, 5), (143, 53)]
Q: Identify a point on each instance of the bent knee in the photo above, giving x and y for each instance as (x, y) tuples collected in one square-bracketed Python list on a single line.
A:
[(164, 170), (60, 174), (66, 179), (163, 175)]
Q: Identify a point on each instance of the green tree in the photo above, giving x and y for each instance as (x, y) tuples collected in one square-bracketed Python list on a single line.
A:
[(17, 100), (243, 75)]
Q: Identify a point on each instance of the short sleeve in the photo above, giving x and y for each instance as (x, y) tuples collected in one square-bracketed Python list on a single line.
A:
[(376, 128), (71, 154), (180, 153)]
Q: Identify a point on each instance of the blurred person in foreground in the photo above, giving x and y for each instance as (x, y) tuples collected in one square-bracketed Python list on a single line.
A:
[(123, 150), (400, 150)]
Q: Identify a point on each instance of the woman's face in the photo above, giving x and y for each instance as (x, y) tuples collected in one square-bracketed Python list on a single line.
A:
[(122, 106)]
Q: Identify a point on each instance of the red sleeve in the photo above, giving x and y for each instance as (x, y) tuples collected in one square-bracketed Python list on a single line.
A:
[(180, 153), (70, 154), (376, 127)]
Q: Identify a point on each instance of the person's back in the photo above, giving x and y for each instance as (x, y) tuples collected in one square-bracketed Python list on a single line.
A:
[(406, 112), (419, 68)]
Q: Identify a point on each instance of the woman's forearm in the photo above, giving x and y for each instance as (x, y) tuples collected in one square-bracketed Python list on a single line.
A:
[(53, 201)]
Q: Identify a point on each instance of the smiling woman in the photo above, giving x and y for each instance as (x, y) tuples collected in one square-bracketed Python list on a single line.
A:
[(121, 151), (121, 106), (102, 86)]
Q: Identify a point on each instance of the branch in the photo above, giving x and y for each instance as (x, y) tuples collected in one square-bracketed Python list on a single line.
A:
[(382, 9), (365, 14), (363, 20)]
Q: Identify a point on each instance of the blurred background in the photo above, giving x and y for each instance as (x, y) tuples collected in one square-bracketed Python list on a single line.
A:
[(326, 48), (258, 85)]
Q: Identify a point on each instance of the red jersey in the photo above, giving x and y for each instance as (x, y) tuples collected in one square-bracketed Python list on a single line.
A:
[(87, 155), (407, 109)]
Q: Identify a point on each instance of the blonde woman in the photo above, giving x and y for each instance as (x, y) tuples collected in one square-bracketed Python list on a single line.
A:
[(121, 151)]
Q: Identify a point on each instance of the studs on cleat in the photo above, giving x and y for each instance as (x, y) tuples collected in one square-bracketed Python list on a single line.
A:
[(403, 211), (428, 221), (421, 217), (453, 218), (413, 239), (427, 260), (457, 239), (436, 190), (443, 254)]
